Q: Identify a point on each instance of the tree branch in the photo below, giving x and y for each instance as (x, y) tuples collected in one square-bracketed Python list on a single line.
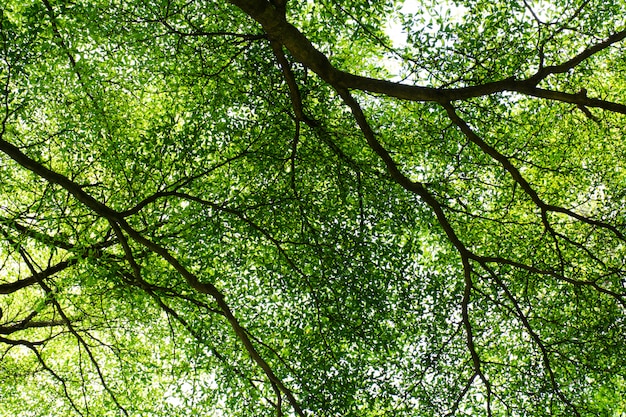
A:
[(115, 217), (277, 27)]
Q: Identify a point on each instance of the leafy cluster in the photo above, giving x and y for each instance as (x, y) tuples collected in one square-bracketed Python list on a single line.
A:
[(273, 208)]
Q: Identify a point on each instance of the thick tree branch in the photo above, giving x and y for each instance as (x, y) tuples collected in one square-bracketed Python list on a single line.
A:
[(419, 189), (30, 325), (276, 26), (14, 286), (94, 251)]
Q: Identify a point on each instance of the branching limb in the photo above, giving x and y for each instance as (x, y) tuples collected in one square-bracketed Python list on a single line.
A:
[(179, 185), (32, 347), (303, 50), (462, 394), (149, 289), (192, 280), (428, 198), (575, 61), (94, 251), (412, 186), (517, 176), (535, 337), (620, 297), (14, 286), (266, 234), (70, 326), (296, 103)]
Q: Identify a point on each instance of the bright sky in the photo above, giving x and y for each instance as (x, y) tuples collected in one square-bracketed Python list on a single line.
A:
[(412, 7), (395, 28), (398, 36)]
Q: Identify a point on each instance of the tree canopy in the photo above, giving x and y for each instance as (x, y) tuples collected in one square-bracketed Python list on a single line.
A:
[(272, 208)]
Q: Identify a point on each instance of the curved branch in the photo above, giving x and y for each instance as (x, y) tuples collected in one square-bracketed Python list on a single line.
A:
[(11, 287), (419, 189), (518, 178), (277, 27), (573, 62)]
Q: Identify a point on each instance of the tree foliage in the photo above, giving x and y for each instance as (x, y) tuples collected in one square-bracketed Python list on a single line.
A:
[(273, 208)]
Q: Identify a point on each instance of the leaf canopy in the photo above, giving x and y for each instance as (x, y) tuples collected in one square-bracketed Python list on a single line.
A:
[(278, 208)]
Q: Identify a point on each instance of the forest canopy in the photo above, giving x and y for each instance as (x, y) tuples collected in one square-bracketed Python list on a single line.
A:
[(313, 208)]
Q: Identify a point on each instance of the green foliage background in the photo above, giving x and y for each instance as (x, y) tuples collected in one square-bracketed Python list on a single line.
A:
[(242, 208)]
